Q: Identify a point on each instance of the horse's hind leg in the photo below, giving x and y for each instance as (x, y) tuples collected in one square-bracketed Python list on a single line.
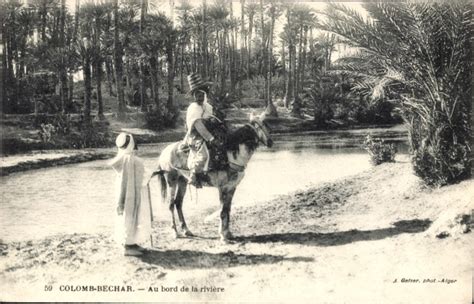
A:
[(181, 191), (172, 186)]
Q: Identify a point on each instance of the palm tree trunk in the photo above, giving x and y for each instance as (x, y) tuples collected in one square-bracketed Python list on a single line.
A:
[(299, 66), (311, 53), (170, 63), (285, 70), (98, 79), (205, 71), (4, 75), (270, 110), (181, 66), (10, 78), (143, 105), (303, 59), (118, 51), (242, 37), (70, 87), (222, 61), (63, 72), (194, 63), (232, 70), (264, 53), (154, 81), (108, 71), (249, 56), (44, 12), (87, 90), (289, 85), (295, 101)]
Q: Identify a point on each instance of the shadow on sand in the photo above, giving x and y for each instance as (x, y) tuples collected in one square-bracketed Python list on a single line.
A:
[(200, 259), (340, 237)]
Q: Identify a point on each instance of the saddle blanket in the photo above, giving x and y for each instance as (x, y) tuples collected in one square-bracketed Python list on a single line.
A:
[(176, 156)]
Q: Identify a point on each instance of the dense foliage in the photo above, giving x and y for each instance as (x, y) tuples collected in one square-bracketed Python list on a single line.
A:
[(151, 52), (421, 52)]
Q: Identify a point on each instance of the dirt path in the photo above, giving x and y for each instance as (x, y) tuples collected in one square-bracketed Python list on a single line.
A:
[(365, 239)]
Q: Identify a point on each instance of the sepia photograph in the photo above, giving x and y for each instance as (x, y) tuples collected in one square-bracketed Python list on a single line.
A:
[(224, 151)]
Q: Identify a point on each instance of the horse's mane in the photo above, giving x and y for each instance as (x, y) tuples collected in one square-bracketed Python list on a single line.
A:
[(243, 135)]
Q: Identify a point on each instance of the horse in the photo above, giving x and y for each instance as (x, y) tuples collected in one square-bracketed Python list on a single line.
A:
[(241, 145)]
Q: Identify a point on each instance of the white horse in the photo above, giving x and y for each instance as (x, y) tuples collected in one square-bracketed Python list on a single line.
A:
[(241, 145)]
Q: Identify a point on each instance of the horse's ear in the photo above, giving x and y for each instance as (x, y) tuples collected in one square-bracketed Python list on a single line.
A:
[(251, 116)]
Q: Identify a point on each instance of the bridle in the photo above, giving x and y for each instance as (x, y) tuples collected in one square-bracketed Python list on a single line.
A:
[(238, 167), (256, 129)]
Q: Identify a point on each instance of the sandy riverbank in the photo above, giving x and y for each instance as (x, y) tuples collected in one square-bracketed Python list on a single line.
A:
[(343, 242)]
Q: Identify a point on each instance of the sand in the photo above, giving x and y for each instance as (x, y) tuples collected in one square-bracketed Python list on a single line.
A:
[(370, 238)]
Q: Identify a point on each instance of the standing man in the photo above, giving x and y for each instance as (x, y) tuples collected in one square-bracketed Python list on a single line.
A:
[(198, 136), (134, 216)]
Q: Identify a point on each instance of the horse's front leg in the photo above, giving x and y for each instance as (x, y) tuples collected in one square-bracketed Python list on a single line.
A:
[(225, 196)]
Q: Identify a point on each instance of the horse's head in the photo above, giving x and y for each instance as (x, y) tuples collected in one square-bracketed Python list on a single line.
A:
[(262, 129)]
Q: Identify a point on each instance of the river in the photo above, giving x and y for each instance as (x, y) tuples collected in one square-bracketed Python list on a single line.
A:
[(79, 198)]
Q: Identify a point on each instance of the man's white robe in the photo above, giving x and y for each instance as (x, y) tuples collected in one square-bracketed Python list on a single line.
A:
[(201, 155), (132, 194)]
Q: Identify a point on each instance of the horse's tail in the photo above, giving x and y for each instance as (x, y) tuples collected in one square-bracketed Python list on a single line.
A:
[(162, 182)]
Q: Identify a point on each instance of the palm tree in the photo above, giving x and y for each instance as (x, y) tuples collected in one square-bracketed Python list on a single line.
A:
[(143, 12), (233, 24), (62, 45), (170, 41), (242, 37), (98, 17), (118, 53), (184, 35), (218, 14), (275, 12), (264, 50), (204, 50), (421, 51), (251, 10), (86, 53), (290, 35)]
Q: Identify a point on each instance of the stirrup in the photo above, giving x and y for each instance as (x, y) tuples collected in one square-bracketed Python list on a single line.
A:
[(196, 183)]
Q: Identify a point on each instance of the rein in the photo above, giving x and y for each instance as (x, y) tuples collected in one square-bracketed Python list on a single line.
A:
[(257, 140), (238, 167)]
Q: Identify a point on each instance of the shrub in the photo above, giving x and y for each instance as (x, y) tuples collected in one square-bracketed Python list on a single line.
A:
[(61, 131), (253, 88), (160, 118), (379, 151), (441, 155), (89, 137), (278, 86), (321, 99), (46, 132)]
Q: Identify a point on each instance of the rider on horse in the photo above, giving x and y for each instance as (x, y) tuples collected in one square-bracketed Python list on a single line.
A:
[(198, 136)]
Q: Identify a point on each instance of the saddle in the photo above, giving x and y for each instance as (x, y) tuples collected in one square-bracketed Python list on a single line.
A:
[(217, 153)]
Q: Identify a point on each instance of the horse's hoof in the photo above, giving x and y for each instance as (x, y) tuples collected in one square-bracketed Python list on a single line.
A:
[(226, 241), (227, 238), (188, 233)]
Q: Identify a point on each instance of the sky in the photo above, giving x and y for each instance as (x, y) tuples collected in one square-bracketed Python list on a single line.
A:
[(164, 5)]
